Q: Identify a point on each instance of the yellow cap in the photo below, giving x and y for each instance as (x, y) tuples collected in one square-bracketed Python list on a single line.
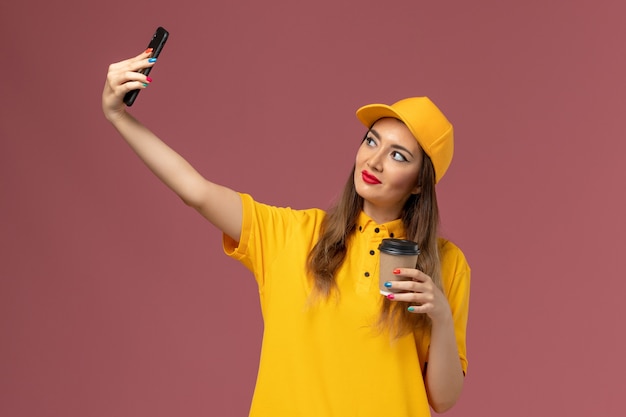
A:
[(426, 122)]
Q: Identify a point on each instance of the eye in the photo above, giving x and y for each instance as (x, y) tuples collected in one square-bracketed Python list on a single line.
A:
[(369, 141), (398, 156)]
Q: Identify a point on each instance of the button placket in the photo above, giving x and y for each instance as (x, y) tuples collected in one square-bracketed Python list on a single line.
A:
[(374, 239), (371, 239)]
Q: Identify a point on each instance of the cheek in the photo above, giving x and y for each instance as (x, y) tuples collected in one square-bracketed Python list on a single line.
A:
[(358, 158), (406, 181)]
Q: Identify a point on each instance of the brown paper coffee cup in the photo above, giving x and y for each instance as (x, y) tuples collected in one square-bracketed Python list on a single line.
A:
[(395, 253)]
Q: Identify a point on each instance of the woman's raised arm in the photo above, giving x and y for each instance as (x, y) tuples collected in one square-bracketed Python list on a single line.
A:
[(218, 204)]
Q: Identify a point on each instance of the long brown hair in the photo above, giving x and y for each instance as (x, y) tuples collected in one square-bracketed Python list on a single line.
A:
[(420, 217)]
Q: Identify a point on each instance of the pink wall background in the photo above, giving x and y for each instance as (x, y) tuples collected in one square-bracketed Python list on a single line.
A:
[(115, 299)]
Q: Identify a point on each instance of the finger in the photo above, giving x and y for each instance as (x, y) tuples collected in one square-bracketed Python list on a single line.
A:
[(415, 303), (133, 85), (412, 273), (403, 286), (141, 61), (406, 272), (136, 76), (122, 89), (137, 66), (142, 56), (126, 81), (412, 297), (420, 309), (137, 85), (421, 276)]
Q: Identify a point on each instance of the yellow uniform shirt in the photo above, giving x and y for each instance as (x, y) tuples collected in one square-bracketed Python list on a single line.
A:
[(325, 359)]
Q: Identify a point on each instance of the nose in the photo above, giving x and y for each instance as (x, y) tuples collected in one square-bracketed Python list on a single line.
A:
[(375, 161)]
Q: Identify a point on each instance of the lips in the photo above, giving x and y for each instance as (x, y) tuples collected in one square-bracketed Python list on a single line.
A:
[(369, 178)]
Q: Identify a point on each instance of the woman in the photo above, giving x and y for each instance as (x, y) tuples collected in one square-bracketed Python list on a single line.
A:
[(332, 345)]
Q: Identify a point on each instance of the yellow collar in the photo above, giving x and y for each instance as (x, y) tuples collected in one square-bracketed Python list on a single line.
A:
[(394, 228)]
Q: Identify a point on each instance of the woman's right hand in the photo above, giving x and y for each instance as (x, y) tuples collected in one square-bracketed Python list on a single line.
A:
[(123, 77), (220, 205)]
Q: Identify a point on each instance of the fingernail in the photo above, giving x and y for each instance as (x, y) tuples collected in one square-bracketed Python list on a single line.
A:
[(149, 79), (145, 84), (396, 271), (388, 284), (411, 309), (147, 51), (390, 296), (152, 60)]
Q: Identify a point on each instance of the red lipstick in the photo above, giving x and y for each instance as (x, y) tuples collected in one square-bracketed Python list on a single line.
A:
[(369, 178)]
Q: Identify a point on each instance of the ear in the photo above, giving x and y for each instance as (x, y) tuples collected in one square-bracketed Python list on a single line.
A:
[(417, 189)]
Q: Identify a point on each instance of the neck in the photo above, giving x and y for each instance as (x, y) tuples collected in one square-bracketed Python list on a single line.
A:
[(381, 214)]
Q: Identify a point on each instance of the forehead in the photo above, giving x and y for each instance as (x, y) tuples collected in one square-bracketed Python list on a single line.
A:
[(394, 130)]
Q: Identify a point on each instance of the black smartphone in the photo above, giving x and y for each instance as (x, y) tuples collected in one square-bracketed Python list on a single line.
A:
[(156, 43)]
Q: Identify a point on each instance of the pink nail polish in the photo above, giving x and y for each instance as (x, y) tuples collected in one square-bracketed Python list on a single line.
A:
[(149, 79), (390, 296), (396, 271)]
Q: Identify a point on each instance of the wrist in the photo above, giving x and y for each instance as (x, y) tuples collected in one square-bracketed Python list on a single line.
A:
[(443, 319), (115, 116)]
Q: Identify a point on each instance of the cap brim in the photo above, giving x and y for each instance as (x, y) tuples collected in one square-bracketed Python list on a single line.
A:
[(370, 114)]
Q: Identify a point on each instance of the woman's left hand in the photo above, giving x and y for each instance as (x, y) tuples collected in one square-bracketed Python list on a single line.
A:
[(421, 293)]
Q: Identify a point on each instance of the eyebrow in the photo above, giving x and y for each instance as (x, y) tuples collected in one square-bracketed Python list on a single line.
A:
[(394, 146)]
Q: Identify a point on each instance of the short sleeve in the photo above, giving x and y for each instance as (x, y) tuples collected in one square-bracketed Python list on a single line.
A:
[(269, 235), (264, 233)]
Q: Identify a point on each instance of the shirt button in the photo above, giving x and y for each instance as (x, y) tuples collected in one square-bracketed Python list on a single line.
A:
[(372, 253), (367, 274), (377, 230), (360, 228), (390, 234)]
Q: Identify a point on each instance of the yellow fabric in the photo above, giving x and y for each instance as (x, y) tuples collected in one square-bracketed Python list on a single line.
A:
[(324, 359)]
